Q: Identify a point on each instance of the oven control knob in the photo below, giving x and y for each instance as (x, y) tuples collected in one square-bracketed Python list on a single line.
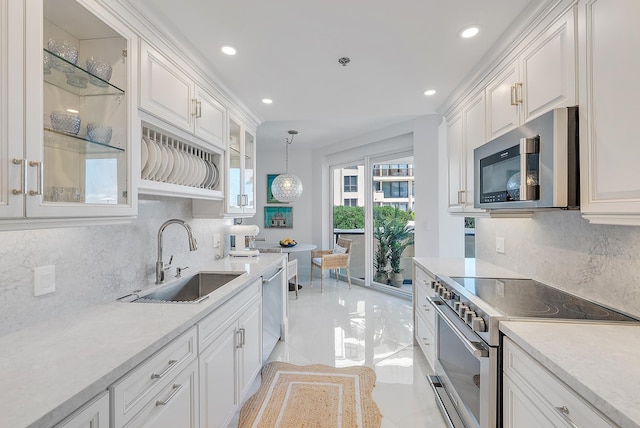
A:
[(469, 315), (446, 295), (462, 309), (478, 324), (441, 290), (434, 285), (456, 306)]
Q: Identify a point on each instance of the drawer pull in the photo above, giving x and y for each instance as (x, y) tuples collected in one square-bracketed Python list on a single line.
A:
[(426, 343), (176, 389), (426, 308), (165, 371), (564, 412)]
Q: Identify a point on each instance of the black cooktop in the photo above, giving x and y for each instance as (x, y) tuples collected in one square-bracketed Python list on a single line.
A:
[(531, 299)]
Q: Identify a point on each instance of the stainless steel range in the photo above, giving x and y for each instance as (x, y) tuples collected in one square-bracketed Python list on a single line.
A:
[(468, 357)]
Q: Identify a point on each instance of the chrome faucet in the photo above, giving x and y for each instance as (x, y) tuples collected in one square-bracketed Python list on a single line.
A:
[(193, 245)]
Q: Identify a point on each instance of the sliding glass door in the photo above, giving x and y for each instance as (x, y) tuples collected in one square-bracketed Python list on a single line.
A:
[(373, 206)]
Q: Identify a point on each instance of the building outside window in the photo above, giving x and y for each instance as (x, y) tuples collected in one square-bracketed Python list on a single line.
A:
[(351, 183), (350, 202), (395, 189)]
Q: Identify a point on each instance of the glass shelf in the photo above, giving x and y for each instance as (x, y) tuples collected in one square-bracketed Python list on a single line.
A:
[(89, 84), (77, 144)]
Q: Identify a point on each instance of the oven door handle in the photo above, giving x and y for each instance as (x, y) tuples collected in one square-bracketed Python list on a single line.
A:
[(474, 348)]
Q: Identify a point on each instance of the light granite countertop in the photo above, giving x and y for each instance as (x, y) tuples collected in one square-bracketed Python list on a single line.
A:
[(464, 267), (598, 361), (49, 370)]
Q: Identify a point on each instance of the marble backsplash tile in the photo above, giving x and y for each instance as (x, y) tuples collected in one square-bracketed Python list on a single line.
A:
[(599, 262), (95, 263)]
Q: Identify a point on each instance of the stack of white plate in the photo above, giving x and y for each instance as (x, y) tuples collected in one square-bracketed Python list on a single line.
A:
[(167, 164)]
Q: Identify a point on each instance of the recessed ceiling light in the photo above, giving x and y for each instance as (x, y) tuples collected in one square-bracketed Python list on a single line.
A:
[(70, 110), (467, 33), (229, 50), (267, 100), (430, 92)]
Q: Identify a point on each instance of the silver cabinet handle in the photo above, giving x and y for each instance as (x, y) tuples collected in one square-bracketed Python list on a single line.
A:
[(176, 388), (514, 101), (238, 339), (38, 165), (518, 92), (198, 108), (242, 336), (165, 371), (426, 308), (194, 107), (23, 177), (425, 342), (564, 412)]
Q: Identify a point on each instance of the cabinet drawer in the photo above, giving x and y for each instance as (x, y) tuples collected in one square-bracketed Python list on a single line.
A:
[(522, 368), (424, 308), (211, 326), (176, 405), (93, 414), (135, 390), (423, 278), (426, 339)]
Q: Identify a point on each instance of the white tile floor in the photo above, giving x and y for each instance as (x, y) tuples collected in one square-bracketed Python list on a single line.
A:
[(357, 326)]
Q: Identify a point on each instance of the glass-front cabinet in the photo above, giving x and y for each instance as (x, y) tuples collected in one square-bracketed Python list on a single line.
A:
[(241, 179), (76, 155)]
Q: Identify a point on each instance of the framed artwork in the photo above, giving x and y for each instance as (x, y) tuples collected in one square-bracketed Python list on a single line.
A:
[(270, 198), (278, 217)]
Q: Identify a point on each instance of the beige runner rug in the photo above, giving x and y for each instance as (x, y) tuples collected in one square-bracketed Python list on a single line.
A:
[(316, 396)]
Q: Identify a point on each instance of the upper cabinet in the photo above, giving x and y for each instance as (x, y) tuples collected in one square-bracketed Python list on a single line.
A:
[(172, 95), (240, 194), (466, 133), (67, 112), (610, 180), (541, 78)]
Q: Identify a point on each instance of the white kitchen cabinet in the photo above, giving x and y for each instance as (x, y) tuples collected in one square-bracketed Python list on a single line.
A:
[(241, 171), (171, 94), (175, 406), (534, 397), (609, 153), (94, 414), (541, 78), (424, 315), (232, 357), (466, 132), (50, 168)]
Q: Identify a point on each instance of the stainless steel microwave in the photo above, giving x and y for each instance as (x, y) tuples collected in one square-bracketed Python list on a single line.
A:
[(534, 166)]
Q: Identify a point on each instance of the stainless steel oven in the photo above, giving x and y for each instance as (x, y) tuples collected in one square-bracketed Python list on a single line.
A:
[(466, 371), (467, 379)]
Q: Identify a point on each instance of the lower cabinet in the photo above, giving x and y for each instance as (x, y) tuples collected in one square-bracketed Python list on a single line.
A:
[(231, 361), (424, 315), (94, 414), (534, 397)]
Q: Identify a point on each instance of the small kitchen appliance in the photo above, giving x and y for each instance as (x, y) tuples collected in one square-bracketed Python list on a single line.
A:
[(467, 379), (240, 233)]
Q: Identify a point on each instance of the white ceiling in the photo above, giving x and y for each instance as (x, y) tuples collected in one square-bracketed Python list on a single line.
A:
[(288, 51)]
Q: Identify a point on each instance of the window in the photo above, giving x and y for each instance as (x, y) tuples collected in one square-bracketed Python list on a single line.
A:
[(351, 202), (351, 183), (396, 189)]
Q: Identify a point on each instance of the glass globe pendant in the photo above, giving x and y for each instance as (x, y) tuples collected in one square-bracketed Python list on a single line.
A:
[(287, 187)]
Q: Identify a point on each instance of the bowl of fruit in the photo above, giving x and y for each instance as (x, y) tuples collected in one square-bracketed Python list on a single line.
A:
[(287, 242)]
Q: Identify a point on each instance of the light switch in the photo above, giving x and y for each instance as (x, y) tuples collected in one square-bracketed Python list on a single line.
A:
[(216, 240), (44, 280), (500, 245)]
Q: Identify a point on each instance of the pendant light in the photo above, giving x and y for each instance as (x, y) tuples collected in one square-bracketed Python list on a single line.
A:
[(287, 187)]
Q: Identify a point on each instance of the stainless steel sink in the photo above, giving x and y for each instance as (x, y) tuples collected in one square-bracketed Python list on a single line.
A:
[(191, 290)]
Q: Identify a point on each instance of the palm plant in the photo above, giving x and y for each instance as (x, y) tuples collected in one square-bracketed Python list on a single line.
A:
[(399, 236)]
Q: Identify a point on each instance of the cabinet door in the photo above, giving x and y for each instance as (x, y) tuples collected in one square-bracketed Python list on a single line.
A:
[(502, 106), (210, 118), (218, 380), (249, 178), (609, 151), (474, 137), (426, 339), (549, 70), (165, 91), (250, 354), (93, 415), (176, 406), (455, 154), (12, 186), (523, 409), (234, 171)]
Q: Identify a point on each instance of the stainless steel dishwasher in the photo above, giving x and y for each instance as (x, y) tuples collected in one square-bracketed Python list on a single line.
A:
[(272, 309)]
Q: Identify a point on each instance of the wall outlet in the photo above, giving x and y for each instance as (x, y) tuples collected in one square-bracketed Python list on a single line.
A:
[(44, 280), (500, 245), (216, 240)]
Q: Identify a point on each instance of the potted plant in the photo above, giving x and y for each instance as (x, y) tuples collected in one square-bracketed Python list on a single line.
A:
[(399, 236), (381, 258)]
